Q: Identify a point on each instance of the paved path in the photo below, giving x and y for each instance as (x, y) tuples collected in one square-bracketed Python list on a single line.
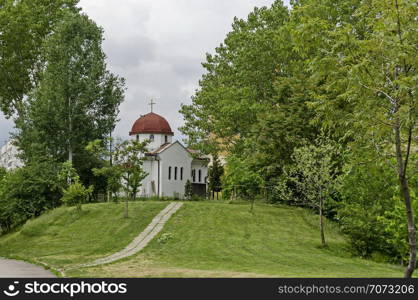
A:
[(10, 268), (143, 238)]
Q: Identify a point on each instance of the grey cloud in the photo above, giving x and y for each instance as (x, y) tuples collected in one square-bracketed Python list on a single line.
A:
[(129, 52), (158, 46)]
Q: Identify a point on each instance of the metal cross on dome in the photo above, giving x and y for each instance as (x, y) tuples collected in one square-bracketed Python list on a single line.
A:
[(152, 103)]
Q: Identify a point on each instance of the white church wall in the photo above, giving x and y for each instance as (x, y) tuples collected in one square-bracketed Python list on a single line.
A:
[(150, 183), (174, 156), (197, 166), (159, 139)]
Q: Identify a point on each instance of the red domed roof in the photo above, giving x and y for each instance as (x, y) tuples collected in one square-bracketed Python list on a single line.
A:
[(151, 123)]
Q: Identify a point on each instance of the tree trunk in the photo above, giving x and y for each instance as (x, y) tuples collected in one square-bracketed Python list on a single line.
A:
[(70, 149), (403, 184), (252, 204), (126, 208), (321, 222), (110, 164)]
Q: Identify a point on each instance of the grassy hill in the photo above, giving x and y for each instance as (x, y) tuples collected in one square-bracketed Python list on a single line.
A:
[(64, 237), (200, 240)]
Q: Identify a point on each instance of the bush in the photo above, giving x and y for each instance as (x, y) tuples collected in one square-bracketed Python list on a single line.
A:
[(27, 192), (165, 237), (76, 194), (2, 173), (372, 214)]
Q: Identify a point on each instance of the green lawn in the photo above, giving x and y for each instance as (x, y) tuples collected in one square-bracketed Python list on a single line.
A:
[(226, 240), (65, 237)]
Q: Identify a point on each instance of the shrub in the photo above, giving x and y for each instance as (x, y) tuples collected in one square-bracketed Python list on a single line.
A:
[(27, 192), (76, 194), (165, 237), (372, 214)]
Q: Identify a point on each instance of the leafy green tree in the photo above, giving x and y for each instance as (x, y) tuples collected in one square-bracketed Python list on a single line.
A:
[(370, 65), (312, 178), (24, 26), (104, 151), (77, 99), (129, 157), (240, 179), (216, 172), (252, 100)]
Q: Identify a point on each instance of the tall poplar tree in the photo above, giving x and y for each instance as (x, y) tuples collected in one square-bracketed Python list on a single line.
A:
[(77, 99), (24, 26)]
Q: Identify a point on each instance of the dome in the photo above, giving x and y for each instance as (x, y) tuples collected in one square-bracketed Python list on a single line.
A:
[(151, 123)]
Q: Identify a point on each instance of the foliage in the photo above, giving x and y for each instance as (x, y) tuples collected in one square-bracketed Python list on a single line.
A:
[(370, 66), (76, 195), (76, 100), (370, 212), (123, 165), (215, 174), (188, 190), (241, 179), (281, 77), (103, 151), (313, 178), (67, 175), (24, 27), (27, 192), (251, 102), (3, 173), (74, 192), (129, 157)]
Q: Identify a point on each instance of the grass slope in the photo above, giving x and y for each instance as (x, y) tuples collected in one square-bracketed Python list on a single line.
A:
[(224, 240), (64, 237)]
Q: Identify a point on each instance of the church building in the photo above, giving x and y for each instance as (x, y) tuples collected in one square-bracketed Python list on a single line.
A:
[(168, 163)]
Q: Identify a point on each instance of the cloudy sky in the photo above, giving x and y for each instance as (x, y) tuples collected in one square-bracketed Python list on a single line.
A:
[(158, 46)]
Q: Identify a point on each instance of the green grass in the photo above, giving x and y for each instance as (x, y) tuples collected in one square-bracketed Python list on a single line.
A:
[(226, 240), (65, 237)]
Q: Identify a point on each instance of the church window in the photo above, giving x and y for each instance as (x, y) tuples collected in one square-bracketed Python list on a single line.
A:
[(194, 175), (151, 137), (137, 137), (169, 173), (175, 173), (181, 173), (166, 139), (200, 175)]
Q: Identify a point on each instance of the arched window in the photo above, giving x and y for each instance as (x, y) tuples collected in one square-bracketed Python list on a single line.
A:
[(137, 137), (151, 137), (169, 173), (193, 175), (200, 175), (166, 139), (181, 173), (175, 173)]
